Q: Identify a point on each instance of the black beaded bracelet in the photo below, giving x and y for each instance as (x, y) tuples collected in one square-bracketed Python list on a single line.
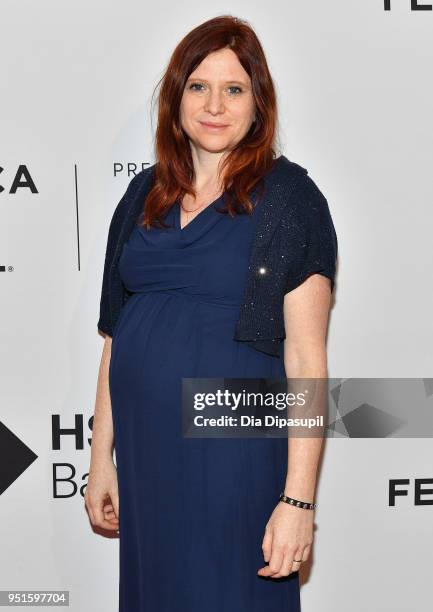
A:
[(296, 502)]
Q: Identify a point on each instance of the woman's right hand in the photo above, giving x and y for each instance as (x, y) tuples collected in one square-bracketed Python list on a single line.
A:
[(102, 495)]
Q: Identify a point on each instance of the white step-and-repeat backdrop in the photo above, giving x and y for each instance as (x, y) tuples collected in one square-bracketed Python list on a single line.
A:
[(77, 121)]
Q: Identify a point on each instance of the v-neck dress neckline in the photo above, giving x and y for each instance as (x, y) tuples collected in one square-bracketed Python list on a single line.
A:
[(202, 214)]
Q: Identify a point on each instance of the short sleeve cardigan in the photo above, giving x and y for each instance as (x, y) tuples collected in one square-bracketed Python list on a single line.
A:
[(295, 237)]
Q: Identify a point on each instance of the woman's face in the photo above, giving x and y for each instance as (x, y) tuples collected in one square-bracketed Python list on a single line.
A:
[(217, 106)]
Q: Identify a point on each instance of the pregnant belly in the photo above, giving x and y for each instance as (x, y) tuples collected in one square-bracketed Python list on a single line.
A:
[(162, 337)]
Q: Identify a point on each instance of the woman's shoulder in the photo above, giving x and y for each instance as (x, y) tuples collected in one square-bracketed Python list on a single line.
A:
[(139, 179), (292, 175), (134, 187), (306, 217), (301, 193)]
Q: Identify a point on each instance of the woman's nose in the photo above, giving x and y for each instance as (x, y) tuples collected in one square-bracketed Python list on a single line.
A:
[(214, 102)]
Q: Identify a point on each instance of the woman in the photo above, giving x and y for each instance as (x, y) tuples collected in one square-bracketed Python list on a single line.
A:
[(190, 291)]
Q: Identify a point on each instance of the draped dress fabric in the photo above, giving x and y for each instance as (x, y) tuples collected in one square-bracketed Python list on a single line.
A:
[(192, 510)]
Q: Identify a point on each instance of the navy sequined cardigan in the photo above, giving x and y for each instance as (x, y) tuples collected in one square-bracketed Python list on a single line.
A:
[(295, 237)]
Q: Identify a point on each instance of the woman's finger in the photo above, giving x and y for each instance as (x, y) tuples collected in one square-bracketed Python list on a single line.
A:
[(276, 560), (306, 554), (286, 567), (115, 502), (267, 550), (295, 566), (267, 544), (111, 517), (97, 515)]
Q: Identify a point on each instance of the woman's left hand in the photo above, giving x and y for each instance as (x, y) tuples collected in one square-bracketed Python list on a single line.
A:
[(288, 536)]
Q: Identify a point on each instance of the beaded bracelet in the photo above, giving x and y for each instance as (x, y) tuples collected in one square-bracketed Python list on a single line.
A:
[(296, 502)]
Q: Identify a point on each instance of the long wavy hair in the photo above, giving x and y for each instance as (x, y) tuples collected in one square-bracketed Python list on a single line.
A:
[(246, 164)]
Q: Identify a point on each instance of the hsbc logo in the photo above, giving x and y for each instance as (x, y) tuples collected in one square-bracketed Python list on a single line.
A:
[(415, 5)]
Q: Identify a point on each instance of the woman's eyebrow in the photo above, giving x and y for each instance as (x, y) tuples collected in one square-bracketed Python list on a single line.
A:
[(226, 82)]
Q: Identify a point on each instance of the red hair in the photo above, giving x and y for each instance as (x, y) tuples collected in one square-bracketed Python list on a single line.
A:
[(244, 166)]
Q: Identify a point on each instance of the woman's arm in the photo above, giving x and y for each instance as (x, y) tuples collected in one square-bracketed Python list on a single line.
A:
[(306, 313), (289, 531), (103, 439), (101, 497)]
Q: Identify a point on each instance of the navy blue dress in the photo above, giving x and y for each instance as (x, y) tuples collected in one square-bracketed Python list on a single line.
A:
[(192, 511)]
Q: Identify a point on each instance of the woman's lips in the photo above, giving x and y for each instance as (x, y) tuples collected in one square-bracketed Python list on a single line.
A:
[(213, 126)]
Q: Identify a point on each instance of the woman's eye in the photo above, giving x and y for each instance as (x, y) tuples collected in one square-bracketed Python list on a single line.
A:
[(194, 85), (234, 89)]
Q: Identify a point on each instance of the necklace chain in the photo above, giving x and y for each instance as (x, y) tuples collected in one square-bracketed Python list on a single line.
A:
[(194, 209)]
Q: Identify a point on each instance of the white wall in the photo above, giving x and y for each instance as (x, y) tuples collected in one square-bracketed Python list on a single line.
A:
[(355, 100)]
